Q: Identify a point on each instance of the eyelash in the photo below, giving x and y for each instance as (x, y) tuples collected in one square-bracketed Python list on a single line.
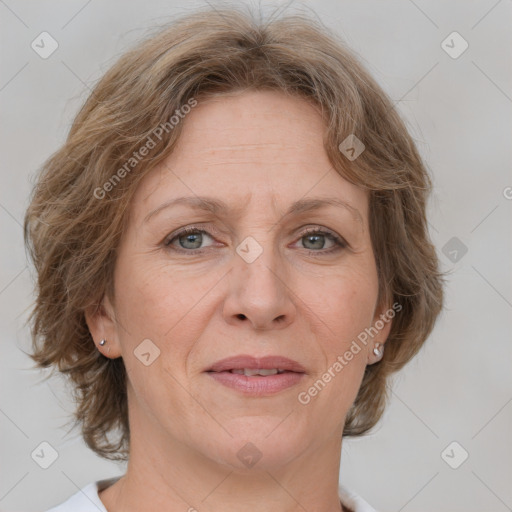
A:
[(339, 242)]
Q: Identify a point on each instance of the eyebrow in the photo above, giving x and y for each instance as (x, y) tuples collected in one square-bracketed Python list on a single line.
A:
[(217, 207)]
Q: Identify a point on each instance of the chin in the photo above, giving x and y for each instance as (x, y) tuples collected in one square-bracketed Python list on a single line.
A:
[(259, 444)]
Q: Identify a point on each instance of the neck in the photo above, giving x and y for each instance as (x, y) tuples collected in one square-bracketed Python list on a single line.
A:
[(184, 480), (166, 475)]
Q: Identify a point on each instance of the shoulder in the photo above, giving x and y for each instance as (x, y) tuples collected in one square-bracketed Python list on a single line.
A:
[(86, 499), (354, 502)]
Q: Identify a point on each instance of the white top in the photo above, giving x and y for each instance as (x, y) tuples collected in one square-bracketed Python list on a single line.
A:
[(88, 500)]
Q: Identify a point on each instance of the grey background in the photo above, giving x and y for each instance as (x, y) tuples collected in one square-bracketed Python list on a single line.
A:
[(459, 112)]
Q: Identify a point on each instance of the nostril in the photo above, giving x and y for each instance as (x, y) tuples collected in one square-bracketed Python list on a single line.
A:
[(241, 316)]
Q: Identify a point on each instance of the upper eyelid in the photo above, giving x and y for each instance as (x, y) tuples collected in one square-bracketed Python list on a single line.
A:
[(319, 229), (211, 233)]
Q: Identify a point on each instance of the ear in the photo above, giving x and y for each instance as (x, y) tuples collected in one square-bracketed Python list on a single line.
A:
[(380, 329), (102, 325)]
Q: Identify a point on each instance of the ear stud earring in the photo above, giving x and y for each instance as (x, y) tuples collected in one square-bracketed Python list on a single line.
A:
[(102, 343), (378, 351)]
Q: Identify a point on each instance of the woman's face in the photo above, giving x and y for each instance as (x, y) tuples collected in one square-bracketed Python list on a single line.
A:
[(275, 272)]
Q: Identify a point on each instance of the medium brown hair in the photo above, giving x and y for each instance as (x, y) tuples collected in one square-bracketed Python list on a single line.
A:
[(74, 223)]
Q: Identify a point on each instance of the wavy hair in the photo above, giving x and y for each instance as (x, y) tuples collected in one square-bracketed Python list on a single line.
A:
[(72, 233)]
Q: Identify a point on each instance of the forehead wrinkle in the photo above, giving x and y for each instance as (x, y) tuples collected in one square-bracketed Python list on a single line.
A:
[(239, 147), (310, 204), (218, 207), (206, 203)]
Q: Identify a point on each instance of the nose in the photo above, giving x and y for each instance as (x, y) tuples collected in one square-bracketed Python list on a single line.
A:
[(259, 295)]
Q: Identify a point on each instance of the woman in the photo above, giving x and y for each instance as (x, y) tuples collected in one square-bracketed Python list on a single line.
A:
[(232, 257)]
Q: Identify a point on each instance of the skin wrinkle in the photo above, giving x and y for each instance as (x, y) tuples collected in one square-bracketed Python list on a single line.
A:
[(186, 428), (216, 206), (200, 307)]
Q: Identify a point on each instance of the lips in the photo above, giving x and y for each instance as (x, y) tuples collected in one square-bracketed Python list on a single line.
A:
[(243, 362), (257, 376)]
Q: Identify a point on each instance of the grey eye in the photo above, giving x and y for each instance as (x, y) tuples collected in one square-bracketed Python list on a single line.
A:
[(314, 241), (191, 240)]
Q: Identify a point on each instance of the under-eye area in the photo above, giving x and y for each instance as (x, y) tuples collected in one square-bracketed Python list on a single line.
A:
[(196, 240), (233, 259)]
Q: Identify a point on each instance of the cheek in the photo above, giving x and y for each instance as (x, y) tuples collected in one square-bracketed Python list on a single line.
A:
[(165, 307), (349, 310), (152, 298), (168, 307), (346, 304), (341, 318)]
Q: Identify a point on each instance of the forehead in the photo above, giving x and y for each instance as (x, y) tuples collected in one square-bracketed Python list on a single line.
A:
[(260, 147)]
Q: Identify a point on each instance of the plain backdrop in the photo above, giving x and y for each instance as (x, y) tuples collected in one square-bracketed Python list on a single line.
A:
[(458, 109)]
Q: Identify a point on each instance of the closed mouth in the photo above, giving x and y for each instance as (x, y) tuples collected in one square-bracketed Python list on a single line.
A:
[(264, 372), (257, 376), (251, 366)]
